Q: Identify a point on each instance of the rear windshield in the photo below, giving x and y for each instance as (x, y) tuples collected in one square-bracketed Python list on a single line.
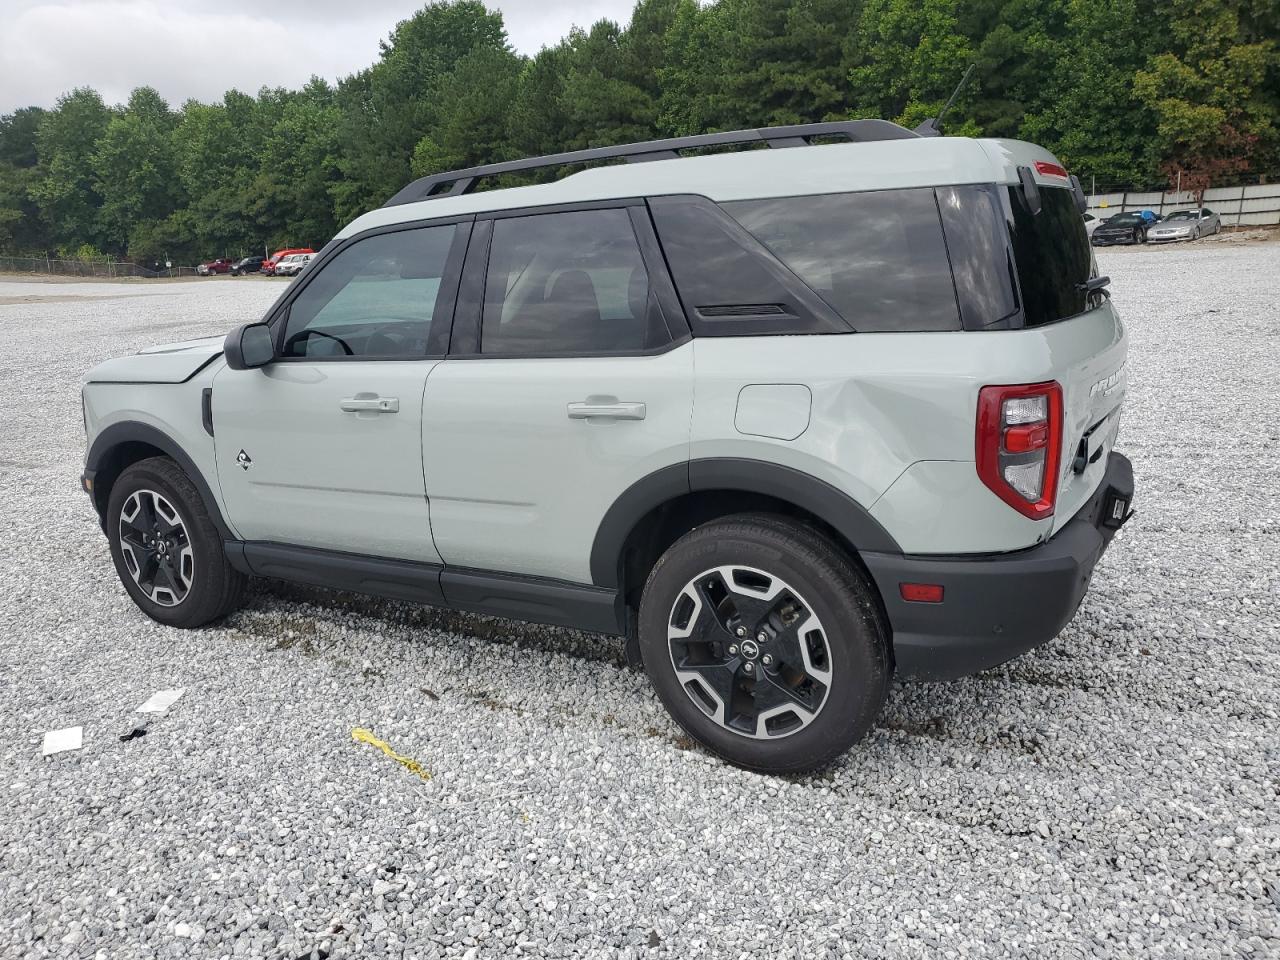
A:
[(1051, 251)]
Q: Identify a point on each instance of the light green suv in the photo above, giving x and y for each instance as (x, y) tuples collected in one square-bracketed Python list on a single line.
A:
[(789, 419)]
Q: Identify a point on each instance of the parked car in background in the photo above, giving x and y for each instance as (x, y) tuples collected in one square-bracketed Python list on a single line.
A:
[(221, 265), (247, 265), (292, 265), (1122, 228), (1186, 225), (1090, 223), (269, 266)]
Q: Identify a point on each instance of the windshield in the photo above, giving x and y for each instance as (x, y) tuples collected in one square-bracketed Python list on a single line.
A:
[(1126, 218), (1182, 215), (1051, 250)]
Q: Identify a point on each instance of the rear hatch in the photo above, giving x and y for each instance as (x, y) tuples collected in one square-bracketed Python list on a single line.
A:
[(1086, 342)]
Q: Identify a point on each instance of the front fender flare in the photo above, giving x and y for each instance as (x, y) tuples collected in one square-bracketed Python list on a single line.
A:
[(131, 431)]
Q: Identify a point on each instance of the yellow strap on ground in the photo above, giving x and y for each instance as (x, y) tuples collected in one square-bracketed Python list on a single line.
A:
[(361, 735)]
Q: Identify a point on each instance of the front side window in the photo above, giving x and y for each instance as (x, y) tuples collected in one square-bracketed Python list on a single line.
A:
[(565, 283), (377, 298), (878, 257)]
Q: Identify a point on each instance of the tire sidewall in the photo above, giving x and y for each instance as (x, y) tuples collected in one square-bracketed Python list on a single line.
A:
[(859, 663), (205, 543)]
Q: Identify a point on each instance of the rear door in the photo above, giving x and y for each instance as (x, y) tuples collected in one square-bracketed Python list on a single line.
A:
[(570, 377), (323, 447)]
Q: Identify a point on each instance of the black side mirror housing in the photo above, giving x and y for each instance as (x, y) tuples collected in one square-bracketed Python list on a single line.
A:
[(249, 346), (1030, 190)]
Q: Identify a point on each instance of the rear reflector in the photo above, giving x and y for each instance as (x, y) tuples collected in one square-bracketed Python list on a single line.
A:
[(921, 592), (1019, 445), (1046, 169)]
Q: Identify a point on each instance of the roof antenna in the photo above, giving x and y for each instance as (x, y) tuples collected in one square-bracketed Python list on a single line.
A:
[(933, 126)]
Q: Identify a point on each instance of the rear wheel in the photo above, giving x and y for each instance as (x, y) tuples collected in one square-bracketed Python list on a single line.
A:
[(764, 643), (166, 550)]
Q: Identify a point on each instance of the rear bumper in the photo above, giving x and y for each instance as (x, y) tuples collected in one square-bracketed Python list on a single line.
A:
[(996, 607)]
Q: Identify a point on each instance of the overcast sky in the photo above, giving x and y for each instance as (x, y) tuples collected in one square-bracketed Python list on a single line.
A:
[(200, 49)]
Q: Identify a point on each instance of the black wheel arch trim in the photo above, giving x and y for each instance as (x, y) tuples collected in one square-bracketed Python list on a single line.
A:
[(132, 431), (829, 504)]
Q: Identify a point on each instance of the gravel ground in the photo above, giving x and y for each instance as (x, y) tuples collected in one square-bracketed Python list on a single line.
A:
[(1113, 794)]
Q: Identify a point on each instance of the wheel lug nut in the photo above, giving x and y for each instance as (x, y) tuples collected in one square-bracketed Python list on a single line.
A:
[(741, 631), (747, 667), (766, 660), (762, 636), (733, 649)]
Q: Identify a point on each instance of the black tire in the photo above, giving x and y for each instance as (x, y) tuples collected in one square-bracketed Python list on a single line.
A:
[(214, 588), (825, 585)]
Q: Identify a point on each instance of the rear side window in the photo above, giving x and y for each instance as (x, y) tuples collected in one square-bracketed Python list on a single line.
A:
[(729, 282), (565, 283), (982, 264), (1051, 250), (878, 258)]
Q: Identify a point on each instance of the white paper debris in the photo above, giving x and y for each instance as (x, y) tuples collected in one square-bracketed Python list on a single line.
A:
[(58, 741), (161, 701)]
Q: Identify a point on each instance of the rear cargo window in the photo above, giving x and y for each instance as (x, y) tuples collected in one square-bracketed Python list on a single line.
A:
[(878, 258), (1051, 250)]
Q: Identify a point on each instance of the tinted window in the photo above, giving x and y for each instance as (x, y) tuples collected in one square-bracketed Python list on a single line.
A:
[(565, 283), (376, 298), (878, 258), (1051, 250), (730, 284), (978, 242)]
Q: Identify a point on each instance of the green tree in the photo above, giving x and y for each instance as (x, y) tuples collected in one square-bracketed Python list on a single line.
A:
[(66, 141), (1216, 96), (135, 169)]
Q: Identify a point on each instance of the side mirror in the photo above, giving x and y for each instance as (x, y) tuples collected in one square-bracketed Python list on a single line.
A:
[(1030, 190), (249, 346)]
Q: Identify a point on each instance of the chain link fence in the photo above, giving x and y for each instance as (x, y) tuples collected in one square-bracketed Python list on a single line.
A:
[(104, 269)]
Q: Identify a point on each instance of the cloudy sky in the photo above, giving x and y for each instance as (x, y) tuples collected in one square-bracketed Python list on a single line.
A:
[(200, 49)]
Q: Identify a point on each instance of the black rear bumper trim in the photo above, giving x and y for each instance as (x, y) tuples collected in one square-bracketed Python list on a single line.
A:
[(996, 607)]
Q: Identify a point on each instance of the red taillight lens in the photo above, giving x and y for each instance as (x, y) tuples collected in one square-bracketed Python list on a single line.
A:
[(1047, 169), (921, 592), (1019, 445)]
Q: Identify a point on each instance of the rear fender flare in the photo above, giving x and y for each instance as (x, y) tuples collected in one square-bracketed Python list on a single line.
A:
[(834, 507)]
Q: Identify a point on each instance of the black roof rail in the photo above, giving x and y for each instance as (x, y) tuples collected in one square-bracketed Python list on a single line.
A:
[(457, 182)]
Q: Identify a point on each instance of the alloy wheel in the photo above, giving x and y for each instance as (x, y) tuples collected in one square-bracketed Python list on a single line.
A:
[(156, 548), (750, 652)]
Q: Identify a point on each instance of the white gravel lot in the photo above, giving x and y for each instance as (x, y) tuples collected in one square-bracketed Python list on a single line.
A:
[(1115, 794)]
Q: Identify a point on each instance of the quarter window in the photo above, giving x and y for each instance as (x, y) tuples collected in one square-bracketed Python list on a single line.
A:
[(566, 283), (878, 258), (377, 298)]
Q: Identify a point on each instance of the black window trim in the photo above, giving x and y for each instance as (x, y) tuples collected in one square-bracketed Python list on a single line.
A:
[(465, 340), (277, 317)]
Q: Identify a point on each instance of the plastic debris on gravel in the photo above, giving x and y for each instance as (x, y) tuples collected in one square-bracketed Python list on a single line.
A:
[(1113, 794)]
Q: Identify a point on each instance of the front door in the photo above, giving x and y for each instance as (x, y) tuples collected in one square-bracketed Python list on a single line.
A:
[(323, 446), (573, 387)]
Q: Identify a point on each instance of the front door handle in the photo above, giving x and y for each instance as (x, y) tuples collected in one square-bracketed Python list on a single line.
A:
[(612, 410), (370, 403)]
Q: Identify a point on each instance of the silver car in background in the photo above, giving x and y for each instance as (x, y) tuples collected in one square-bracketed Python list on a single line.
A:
[(1185, 225)]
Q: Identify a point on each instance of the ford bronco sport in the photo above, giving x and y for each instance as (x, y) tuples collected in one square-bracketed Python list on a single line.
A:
[(788, 419)]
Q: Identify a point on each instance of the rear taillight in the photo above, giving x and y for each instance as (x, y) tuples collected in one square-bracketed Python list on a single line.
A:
[(1019, 446)]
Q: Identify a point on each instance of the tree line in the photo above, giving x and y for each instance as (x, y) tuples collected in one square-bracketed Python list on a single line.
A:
[(1124, 91)]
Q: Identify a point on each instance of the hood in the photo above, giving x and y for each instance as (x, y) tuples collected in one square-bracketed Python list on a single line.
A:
[(167, 363)]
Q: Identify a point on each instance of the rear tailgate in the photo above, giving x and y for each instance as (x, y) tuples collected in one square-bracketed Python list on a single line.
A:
[(1089, 358)]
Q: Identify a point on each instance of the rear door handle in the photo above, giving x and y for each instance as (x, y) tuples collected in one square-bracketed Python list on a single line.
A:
[(613, 410), (370, 403)]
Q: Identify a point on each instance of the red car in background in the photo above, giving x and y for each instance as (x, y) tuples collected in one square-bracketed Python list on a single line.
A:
[(221, 265), (269, 268)]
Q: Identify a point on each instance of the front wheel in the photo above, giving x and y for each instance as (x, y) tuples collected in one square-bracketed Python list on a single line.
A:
[(166, 550), (764, 642)]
